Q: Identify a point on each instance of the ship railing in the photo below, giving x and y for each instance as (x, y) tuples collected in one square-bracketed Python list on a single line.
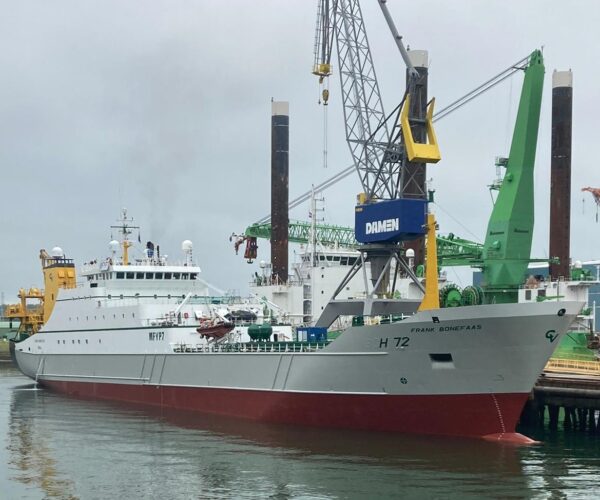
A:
[(250, 347), (574, 366), (258, 281)]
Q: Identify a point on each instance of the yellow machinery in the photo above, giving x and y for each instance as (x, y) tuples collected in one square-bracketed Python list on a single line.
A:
[(428, 152), (30, 317), (59, 272), (431, 300)]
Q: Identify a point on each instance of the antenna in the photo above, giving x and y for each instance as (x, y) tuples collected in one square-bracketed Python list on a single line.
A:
[(126, 228)]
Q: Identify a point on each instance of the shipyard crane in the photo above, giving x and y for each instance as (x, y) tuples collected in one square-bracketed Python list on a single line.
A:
[(388, 152), (438, 115)]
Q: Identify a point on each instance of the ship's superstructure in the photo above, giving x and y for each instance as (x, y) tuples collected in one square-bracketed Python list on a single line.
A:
[(315, 276), (124, 292)]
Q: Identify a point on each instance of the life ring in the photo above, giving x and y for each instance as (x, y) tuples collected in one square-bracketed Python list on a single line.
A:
[(186, 315)]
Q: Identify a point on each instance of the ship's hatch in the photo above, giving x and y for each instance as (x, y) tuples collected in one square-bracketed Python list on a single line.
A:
[(441, 360)]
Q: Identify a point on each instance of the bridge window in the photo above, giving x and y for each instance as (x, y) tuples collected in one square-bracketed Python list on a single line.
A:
[(120, 276), (129, 276), (184, 276), (167, 276), (176, 276), (139, 276), (158, 276), (193, 276), (149, 276)]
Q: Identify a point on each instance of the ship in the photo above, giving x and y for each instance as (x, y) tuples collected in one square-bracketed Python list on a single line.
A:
[(130, 330), (402, 364)]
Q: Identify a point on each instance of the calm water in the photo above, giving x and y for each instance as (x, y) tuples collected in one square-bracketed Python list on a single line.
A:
[(56, 447)]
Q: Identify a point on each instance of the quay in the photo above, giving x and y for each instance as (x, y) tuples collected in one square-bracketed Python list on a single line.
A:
[(568, 394)]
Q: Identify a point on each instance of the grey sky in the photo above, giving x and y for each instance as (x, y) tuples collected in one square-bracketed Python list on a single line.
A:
[(164, 107)]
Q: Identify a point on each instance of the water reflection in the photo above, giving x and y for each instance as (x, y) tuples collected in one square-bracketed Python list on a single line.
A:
[(29, 452), (88, 449)]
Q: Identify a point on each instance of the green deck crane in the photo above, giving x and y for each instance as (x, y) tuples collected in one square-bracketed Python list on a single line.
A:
[(507, 247)]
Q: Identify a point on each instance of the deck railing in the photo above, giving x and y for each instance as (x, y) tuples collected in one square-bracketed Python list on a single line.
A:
[(573, 366), (250, 347)]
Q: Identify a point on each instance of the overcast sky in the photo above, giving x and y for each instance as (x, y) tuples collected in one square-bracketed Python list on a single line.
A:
[(163, 107)]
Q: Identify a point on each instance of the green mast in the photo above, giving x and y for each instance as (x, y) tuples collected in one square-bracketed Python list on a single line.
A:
[(507, 247)]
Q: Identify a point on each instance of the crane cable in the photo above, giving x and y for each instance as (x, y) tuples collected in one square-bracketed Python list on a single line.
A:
[(442, 113)]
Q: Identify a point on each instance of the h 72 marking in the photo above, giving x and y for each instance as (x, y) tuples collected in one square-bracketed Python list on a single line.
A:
[(398, 341)]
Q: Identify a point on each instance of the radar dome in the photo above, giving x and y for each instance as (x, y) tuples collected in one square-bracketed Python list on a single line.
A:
[(57, 252), (262, 264), (114, 245), (187, 245), (578, 264), (410, 253)]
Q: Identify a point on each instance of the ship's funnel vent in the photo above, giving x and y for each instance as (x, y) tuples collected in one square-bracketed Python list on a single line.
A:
[(149, 249)]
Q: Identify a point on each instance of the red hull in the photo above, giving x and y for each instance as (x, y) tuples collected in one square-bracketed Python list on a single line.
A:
[(475, 415)]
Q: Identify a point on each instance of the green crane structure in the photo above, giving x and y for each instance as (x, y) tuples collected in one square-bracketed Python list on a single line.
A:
[(452, 251), (507, 247), (300, 232)]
